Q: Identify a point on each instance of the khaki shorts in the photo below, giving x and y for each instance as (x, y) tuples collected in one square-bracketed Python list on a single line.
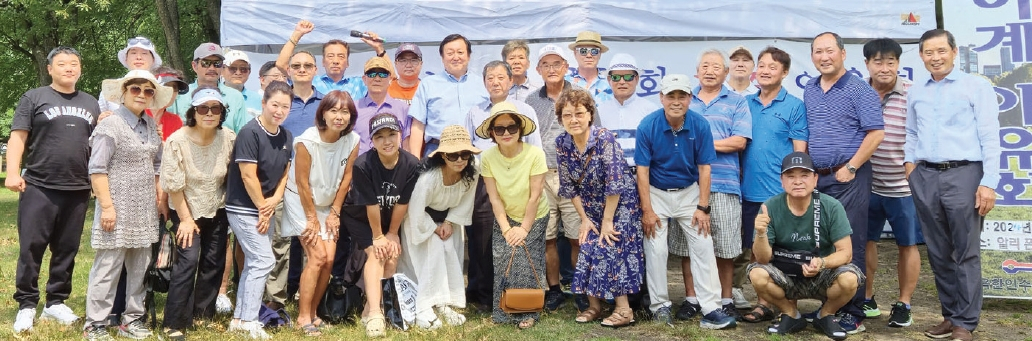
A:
[(559, 209)]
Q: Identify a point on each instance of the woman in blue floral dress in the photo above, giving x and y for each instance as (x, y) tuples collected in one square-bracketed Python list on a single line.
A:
[(593, 172)]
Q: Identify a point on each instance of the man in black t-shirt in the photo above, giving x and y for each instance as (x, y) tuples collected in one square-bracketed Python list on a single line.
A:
[(50, 134)]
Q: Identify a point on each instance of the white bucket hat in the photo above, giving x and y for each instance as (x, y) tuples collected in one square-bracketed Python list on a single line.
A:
[(143, 43), (113, 88)]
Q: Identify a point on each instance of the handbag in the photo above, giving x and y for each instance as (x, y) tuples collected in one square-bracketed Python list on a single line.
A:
[(391, 304), (791, 262), (340, 303), (521, 300), (163, 254)]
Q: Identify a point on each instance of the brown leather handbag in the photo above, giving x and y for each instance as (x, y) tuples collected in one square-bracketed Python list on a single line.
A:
[(528, 300)]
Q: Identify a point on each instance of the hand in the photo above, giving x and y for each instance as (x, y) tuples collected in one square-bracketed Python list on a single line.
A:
[(162, 209), (104, 114), (304, 27), (909, 167), (263, 223), (15, 183), (333, 225), (444, 230), (393, 245), (844, 175), (586, 227), (608, 236), (107, 218), (380, 246), (376, 45), (516, 236), (267, 208), (701, 220), (311, 232), (985, 200), (185, 233), (649, 223), (762, 220), (810, 270)]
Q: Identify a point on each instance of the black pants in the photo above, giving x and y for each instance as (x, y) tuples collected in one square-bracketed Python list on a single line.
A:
[(855, 197), (480, 273), (197, 272), (343, 253), (295, 265), (53, 219)]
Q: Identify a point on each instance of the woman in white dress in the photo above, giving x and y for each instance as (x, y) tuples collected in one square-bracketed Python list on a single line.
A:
[(441, 205)]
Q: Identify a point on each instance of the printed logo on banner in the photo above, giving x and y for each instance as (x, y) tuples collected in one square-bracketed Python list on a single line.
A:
[(910, 19)]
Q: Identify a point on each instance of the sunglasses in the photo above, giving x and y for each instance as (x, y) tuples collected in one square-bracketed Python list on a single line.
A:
[(213, 110), (211, 63), (307, 66), (140, 41), (500, 130), (464, 155), (241, 69), (585, 50), (135, 91), (627, 78), (377, 74)]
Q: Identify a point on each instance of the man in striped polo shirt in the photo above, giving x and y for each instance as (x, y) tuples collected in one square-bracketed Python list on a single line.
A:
[(845, 121), (890, 192)]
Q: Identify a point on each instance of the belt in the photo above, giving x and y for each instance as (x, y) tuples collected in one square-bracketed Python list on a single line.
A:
[(826, 171), (945, 165), (672, 189)]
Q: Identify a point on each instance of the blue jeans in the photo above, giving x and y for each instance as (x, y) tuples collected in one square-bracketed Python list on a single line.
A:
[(258, 263)]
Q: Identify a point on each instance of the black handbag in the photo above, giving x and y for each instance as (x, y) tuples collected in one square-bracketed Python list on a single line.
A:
[(391, 304), (341, 302), (159, 274), (791, 262)]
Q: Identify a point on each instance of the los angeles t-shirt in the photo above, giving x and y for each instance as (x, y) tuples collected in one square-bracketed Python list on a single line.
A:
[(57, 150)]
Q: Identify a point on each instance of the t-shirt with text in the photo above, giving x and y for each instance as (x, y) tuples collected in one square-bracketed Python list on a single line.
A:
[(795, 233), (57, 151), (374, 184)]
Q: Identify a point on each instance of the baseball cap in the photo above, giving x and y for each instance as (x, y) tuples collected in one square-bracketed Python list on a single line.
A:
[(377, 63), (383, 121), (623, 62), (675, 82), (550, 49), (235, 55), (797, 160), (140, 42), (169, 78), (740, 49), (207, 50), (408, 47)]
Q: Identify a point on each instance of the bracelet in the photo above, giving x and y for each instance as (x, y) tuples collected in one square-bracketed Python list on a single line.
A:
[(380, 237), (334, 211), (822, 264), (292, 41)]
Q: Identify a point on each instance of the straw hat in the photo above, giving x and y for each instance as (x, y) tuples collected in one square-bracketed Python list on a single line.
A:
[(590, 38), (502, 108), (113, 88), (455, 139)]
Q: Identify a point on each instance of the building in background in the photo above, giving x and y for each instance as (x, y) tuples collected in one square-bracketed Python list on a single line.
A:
[(968, 59), (1005, 59), (992, 71)]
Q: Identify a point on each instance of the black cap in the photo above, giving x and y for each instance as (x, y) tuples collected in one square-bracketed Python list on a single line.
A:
[(797, 160), (383, 121)]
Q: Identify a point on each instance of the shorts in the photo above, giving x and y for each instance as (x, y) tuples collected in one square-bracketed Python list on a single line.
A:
[(901, 215), (725, 226), (353, 218), (294, 220), (815, 287), (560, 210)]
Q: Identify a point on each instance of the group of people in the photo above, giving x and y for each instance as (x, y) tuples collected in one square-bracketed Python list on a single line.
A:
[(319, 175)]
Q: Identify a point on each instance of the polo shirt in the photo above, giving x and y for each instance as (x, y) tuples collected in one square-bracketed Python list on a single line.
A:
[(749, 90), (480, 112), (367, 108), (519, 92), (442, 100), (672, 156), (954, 119), (623, 119), (728, 115), (302, 113), (352, 85), (599, 89), (549, 126), (840, 118), (237, 116), (253, 102), (889, 177), (774, 127)]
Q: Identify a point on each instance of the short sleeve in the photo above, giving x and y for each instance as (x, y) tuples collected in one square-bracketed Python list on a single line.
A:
[(538, 165), (102, 148), (868, 108), (643, 144), (564, 158), (798, 129), (22, 119), (410, 179), (245, 150), (771, 227), (362, 187), (485, 163), (838, 223), (173, 172), (418, 107)]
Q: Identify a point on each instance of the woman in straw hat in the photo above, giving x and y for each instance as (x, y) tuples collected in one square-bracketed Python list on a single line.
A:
[(441, 205), (594, 174), (514, 174), (317, 181), (125, 156)]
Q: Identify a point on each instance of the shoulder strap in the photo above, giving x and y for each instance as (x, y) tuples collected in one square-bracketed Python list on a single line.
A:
[(817, 220), (529, 261)]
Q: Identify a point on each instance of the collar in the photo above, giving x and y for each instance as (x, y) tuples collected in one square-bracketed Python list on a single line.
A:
[(367, 101), (315, 95), (667, 127), (327, 79), (543, 92), (896, 88), (779, 98), (724, 90), (841, 82), (952, 76), (452, 79), (129, 117), (593, 132), (628, 102)]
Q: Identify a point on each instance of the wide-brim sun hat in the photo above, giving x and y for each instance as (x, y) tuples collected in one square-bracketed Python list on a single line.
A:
[(113, 88), (454, 139), (505, 108), (143, 43)]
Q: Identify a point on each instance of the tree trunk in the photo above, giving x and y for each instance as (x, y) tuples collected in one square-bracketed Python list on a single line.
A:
[(168, 13)]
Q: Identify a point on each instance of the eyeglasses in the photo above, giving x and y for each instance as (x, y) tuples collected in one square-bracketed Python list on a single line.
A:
[(205, 111), (407, 61), (241, 69), (500, 130), (140, 41), (211, 63), (135, 91), (579, 115), (627, 78), (377, 74), (555, 66), (464, 155), (585, 50), (307, 66), (275, 76)]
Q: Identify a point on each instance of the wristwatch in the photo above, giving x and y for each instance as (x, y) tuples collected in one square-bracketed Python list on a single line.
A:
[(851, 169), (704, 209), (381, 54)]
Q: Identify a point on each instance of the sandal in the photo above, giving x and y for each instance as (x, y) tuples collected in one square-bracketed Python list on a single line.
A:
[(620, 318), (317, 322), (375, 326), (175, 334), (311, 330), (526, 324), (759, 314), (588, 315)]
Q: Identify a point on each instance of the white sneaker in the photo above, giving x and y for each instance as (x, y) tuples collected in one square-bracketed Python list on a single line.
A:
[(254, 329), (60, 313), (739, 297), (428, 320), (450, 316), (223, 305), (24, 320)]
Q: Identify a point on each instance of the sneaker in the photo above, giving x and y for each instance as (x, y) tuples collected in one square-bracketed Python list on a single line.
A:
[(60, 313), (831, 328), (870, 308), (688, 310), (787, 325), (582, 302), (717, 319), (96, 333), (254, 329), (26, 317), (554, 300), (450, 316), (730, 310), (134, 330), (900, 316), (663, 316), (223, 305), (851, 324), (427, 320), (739, 297)]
